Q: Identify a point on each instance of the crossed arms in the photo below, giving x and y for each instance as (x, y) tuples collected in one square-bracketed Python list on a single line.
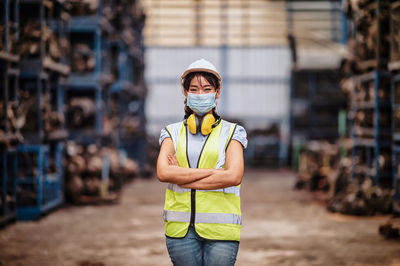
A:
[(169, 171)]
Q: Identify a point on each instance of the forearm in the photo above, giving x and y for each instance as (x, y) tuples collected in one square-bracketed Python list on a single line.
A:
[(219, 179), (168, 169), (179, 175)]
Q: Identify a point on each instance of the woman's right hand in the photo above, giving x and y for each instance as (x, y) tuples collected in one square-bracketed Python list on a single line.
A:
[(172, 160)]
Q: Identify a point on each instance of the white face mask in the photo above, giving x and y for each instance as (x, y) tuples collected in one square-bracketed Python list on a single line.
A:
[(201, 103)]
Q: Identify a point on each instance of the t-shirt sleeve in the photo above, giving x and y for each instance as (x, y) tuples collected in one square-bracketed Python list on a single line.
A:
[(164, 134), (240, 135)]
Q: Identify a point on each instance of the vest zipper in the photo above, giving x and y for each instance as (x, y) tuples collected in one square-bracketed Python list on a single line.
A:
[(193, 206), (193, 191)]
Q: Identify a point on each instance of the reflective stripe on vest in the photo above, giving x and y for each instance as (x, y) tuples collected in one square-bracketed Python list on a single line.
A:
[(212, 218), (178, 189), (219, 215)]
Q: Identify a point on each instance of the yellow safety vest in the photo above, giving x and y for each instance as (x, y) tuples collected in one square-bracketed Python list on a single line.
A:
[(215, 214)]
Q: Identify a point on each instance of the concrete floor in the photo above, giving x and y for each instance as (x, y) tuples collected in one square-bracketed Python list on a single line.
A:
[(281, 226)]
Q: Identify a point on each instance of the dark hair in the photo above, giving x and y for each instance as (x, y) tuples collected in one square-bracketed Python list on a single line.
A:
[(211, 78)]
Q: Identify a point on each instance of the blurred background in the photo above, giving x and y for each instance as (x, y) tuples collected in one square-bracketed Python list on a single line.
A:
[(87, 85)]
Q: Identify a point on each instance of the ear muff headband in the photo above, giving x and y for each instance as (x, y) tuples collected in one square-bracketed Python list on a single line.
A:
[(207, 124)]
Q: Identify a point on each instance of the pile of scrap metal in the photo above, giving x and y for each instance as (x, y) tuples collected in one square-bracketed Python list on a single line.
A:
[(317, 163), (125, 114), (27, 113), (83, 59), (391, 229), (264, 146), (83, 7), (96, 175), (152, 151), (372, 31), (321, 168), (33, 33), (15, 122), (362, 92), (11, 38), (22, 116), (81, 113), (350, 197)]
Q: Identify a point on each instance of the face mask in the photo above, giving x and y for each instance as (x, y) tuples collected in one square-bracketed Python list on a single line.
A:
[(201, 103)]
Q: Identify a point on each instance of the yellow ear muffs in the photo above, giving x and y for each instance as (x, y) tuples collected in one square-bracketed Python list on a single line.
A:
[(192, 123), (207, 124)]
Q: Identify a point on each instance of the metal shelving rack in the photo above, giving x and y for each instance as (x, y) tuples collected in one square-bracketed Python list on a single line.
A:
[(41, 74), (371, 12), (316, 100), (394, 57), (129, 100), (38, 189), (372, 137), (93, 30), (313, 91), (10, 19), (46, 12), (371, 110), (8, 210), (9, 61), (394, 67), (396, 137), (9, 69)]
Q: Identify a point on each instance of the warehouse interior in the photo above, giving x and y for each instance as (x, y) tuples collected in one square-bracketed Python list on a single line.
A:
[(87, 85)]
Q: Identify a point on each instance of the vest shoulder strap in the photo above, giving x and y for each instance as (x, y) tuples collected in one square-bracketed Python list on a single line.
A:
[(173, 131), (232, 128)]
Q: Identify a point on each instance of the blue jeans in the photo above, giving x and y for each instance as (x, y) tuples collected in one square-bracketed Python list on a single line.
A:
[(193, 250)]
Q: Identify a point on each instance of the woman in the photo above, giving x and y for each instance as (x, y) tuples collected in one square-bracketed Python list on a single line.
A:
[(202, 160)]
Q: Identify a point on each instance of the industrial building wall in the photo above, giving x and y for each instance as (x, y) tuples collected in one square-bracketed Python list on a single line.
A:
[(255, 84)]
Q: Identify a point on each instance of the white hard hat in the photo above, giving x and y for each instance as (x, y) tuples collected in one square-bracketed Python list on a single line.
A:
[(203, 66)]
